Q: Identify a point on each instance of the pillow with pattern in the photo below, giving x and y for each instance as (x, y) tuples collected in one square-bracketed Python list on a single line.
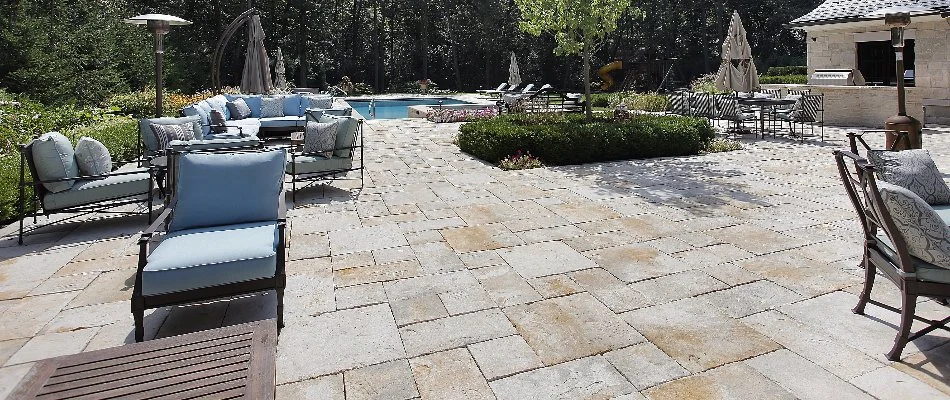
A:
[(926, 235), (165, 134), (318, 101), (272, 107), (913, 170), (93, 157), (239, 109), (320, 137)]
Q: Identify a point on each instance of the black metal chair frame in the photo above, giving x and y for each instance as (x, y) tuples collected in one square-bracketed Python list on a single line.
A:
[(866, 199), (39, 191), (312, 178), (141, 302), (818, 118)]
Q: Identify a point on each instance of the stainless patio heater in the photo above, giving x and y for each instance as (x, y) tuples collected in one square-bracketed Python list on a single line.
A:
[(159, 25)]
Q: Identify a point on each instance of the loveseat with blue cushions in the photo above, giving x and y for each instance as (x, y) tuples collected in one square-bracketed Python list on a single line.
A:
[(262, 121)]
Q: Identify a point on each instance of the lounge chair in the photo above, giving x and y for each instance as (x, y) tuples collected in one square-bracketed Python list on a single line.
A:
[(493, 92), (223, 233)]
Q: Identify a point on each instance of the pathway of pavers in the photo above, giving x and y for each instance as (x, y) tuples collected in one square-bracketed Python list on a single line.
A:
[(728, 275)]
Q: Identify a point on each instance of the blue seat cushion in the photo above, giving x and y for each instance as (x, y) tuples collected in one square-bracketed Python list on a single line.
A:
[(206, 257), (925, 271), (292, 105), (315, 164), (215, 142), (289, 121), (88, 191), (215, 189)]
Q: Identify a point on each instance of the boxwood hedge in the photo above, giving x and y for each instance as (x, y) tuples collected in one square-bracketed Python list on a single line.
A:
[(563, 139)]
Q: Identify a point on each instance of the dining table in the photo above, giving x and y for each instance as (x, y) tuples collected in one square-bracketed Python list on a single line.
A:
[(765, 107)]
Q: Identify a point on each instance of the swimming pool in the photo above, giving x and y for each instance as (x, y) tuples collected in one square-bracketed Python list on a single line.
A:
[(397, 108)]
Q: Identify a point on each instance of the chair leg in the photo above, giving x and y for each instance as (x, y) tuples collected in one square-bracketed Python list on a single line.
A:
[(908, 307), (280, 307), (139, 315), (869, 274)]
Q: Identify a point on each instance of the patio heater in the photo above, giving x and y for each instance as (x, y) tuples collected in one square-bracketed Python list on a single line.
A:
[(897, 18), (159, 25)]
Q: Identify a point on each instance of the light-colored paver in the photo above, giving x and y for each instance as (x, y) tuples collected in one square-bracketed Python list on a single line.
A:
[(504, 356), (328, 387), (450, 332), (734, 381), (887, 383), (645, 365), (802, 378), (387, 381), (586, 378), (548, 258), (450, 375)]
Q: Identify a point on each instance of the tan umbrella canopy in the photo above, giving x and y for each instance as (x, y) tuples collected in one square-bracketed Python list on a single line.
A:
[(256, 77), (514, 74), (280, 81), (737, 71)]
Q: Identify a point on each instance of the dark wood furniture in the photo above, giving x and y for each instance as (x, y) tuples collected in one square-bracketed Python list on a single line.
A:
[(891, 259), (232, 362)]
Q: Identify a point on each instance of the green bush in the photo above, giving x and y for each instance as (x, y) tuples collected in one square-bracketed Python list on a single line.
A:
[(141, 104), (644, 101), (784, 79), (788, 70), (603, 99), (558, 139)]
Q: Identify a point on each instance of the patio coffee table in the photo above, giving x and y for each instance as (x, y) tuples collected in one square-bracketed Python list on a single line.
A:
[(231, 362)]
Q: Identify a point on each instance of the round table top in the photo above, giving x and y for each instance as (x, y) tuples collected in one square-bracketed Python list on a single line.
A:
[(765, 101)]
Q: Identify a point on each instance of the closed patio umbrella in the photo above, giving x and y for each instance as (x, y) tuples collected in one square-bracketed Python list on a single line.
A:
[(280, 81), (737, 71), (514, 75), (256, 77)]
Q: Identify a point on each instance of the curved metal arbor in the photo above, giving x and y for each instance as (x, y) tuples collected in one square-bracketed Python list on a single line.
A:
[(223, 42)]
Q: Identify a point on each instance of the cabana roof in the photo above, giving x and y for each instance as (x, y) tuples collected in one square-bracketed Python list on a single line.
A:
[(841, 11)]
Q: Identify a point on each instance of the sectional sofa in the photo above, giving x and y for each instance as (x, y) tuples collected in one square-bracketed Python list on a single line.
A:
[(291, 116)]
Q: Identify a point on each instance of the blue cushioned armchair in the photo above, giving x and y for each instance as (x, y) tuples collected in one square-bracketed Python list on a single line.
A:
[(313, 167), (222, 236)]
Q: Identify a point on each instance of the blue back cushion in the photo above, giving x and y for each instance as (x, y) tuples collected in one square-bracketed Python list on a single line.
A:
[(254, 102), (292, 105), (216, 189)]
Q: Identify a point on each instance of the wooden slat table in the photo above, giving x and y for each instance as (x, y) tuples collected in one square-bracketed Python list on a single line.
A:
[(231, 362)]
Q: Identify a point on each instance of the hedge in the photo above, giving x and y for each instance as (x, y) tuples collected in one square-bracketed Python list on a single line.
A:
[(788, 70), (784, 79), (559, 139)]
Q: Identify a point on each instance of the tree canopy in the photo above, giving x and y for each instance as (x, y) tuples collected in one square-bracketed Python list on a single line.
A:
[(80, 51)]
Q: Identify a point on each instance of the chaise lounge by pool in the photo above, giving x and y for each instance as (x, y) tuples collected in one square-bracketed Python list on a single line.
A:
[(394, 108)]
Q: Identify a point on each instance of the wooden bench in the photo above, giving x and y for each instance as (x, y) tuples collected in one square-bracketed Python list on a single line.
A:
[(231, 362)]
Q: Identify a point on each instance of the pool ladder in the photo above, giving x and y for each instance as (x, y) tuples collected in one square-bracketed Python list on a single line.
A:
[(372, 108)]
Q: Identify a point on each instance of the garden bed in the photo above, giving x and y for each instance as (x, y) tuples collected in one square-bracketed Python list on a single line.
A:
[(563, 139)]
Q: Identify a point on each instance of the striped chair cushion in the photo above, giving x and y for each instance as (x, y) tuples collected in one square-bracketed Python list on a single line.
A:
[(807, 108), (703, 105), (799, 92), (679, 104)]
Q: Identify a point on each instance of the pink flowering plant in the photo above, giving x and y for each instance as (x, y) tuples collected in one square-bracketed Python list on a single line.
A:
[(520, 161), (451, 115)]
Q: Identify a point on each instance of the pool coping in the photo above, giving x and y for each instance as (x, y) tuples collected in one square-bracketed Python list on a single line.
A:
[(476, 102)]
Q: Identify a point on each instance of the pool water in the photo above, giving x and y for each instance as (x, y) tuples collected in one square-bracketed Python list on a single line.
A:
[(397, 108)]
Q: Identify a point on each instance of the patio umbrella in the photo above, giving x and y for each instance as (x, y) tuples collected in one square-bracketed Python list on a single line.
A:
[(256, 77), (514, 75), (280, 81), (737, 71)]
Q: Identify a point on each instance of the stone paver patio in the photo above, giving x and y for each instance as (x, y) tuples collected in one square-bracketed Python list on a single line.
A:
[(728, 275)]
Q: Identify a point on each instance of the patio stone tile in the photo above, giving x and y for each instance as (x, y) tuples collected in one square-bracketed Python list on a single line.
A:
[(108, 248), (387, 381), (376, 273), (802, 378), (431, 223), (59, 284), (417, 309), (844, 361), (504, 356), (585, 378), (434, 215), (27, 316), (488, 213), (308, 294), (98, 265), (755, 240), (658, 291), (394, 254), (9, 347), (505, 286), (328, 387), (873, 333), (548, 258), (437, 257), (734, 381), (636, 262), (731, 274), (20, 275), (369, 209), (89, 316), (676, 244), (192, 318), (351, 260), (599, 240), (583, 212), (478, 259), (711, 255), (536, 220), (595, 279), (833, 250), (411, 194), (366, 239), (52, 345), (549, 234), (449, 375), (11, 376), (123, 332), (697, 336), (422, 237), (308, 246), (359, 295), (309, 266), (455, 331), (343, 340), (791, 269), (323, 223), (645, 365), (440, 283), (888, 383), (930, 367), (743, 300), (571, 327), (404, 209), (481, 237), (108, 287), (555, 286)]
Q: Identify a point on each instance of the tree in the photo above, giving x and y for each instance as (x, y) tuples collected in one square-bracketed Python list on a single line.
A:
[(579, 26)]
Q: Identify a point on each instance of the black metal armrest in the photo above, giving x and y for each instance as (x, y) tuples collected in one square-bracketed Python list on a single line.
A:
[(148, 232)]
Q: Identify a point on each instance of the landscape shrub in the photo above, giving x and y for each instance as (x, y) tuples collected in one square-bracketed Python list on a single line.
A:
[(787, 70), (653, 102), (784, 79), (450, 115), (141, 104), (562, 139)]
